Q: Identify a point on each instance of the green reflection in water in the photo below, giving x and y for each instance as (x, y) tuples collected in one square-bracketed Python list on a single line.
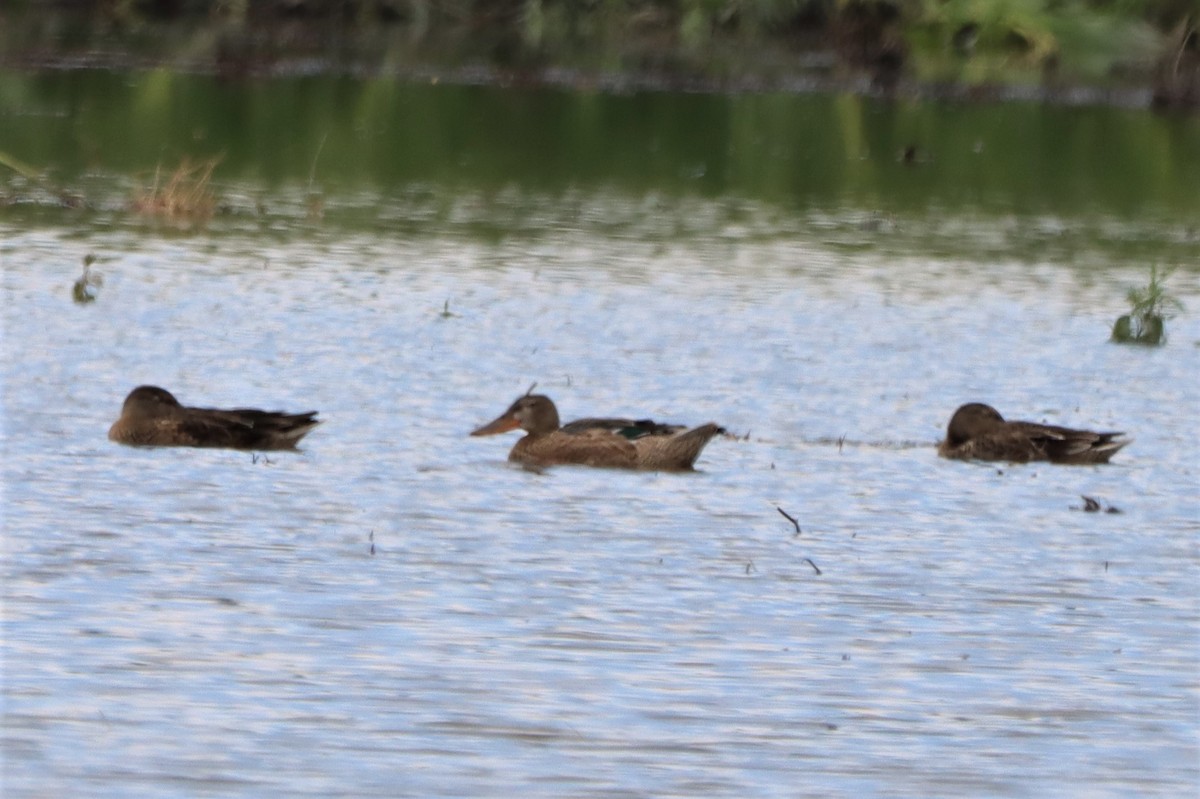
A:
[(385, 137)]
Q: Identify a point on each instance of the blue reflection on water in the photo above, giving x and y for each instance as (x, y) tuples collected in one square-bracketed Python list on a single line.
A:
[(183, 621)]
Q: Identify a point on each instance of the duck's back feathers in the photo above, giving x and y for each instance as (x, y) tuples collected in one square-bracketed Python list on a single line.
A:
[(627, 428), (600, 445), (246, 428)]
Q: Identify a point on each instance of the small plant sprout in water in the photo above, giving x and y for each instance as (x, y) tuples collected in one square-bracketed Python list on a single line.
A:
[(314, 200), (185, 196), (1151, 307), (87, 286)]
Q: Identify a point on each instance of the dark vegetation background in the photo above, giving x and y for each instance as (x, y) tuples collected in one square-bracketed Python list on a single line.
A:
[(873, 45)]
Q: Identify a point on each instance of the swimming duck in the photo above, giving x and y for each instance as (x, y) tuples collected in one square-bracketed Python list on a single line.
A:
[(618, 443), (979, 432), (151, 416)]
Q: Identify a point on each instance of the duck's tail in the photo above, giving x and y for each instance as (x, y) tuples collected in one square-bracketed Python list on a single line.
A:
[(676, 452), (277, 430), (1098, 448)]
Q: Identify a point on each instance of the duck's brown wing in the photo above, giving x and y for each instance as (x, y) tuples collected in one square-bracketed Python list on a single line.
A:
[(998, 444), (594, 446), (244, 428), (1068, 445)]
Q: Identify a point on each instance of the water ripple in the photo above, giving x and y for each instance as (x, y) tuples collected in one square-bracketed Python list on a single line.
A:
[(396, 611)]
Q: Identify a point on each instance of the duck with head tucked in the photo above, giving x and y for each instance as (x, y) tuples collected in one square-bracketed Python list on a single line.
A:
[(152, 417), (616, 443), (979, 432)]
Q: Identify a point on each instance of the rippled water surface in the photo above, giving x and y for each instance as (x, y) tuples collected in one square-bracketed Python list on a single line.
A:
[(396, 611)]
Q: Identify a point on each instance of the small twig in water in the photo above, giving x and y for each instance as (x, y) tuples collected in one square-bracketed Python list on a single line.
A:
[(810, 563), (371, 538), (1091, 505), (790, 519), (841, 441), (750, 567)]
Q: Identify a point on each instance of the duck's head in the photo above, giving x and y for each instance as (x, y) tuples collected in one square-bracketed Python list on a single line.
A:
[(149, 401), (533, 413), (970, 420)]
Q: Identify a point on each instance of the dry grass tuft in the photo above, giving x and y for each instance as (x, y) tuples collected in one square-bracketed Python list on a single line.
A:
[(186, 195)]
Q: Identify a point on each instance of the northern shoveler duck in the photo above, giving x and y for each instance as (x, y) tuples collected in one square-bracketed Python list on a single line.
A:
[(152, 417), (618, 443), (979, 432)]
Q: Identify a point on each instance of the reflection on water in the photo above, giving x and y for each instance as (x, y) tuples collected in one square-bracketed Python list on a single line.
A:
[(396, 611), (335, 135)]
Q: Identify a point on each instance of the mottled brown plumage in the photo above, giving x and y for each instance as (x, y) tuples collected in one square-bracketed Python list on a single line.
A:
[(618, 443), (979, 432), (152, 417)]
